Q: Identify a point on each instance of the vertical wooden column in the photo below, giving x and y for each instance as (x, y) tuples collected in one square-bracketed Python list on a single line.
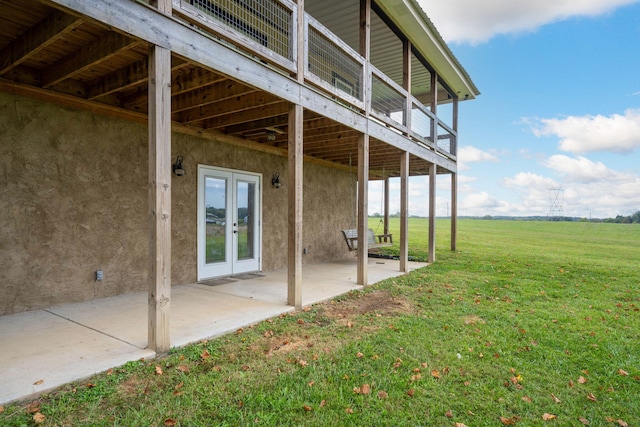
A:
[(406, 83), (454, 180), (432, 170), (404, 211), (454, 211), (386, 206), (363, 147), (432, 213), (295, 152), (159, 197), (363, 208), (295, 185)]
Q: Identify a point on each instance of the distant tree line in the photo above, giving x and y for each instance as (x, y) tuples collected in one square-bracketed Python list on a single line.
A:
[(631, 219), (620, 219)]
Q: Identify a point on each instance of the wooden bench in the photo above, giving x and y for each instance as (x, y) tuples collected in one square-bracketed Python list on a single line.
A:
[(351, 237)]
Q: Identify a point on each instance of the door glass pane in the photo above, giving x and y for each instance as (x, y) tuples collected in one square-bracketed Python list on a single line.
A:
[(216, 219), (246, 219)]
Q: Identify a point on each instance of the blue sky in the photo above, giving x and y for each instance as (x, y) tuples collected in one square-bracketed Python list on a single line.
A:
[(559, 109)]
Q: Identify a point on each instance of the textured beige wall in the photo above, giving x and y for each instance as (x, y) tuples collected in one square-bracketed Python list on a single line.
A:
[(73, 199)]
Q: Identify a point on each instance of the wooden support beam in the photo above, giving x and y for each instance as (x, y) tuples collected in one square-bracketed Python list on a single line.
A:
[(159, 197), (295, 186), (260, 112), (182, 81), (454, 211), (404, 212), (230, 104), (432, 213), (124, 78), (365, 51), (406, 84), (454, 180), (363, 209), (201, 99), (99, 51), (35, 39), (386, 203)]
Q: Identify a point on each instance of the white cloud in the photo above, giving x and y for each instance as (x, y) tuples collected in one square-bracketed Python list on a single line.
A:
[(588, 189), (579, 169), (585, 134), (476, 21), (470, 154)]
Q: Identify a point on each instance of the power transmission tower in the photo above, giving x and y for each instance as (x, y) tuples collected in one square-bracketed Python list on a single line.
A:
[(556, 199)]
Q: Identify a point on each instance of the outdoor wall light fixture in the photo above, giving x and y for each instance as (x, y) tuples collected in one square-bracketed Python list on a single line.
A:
[(275, 180), (178, 169), (271, 135)]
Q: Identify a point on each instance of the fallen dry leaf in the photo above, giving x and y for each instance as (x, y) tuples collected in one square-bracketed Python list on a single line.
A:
[(38, 382), (623, 372), (38, 418), (159, 370), (349, 411), (359, 355), (1, 409), (460, 425), (582, 380), (205, 354), (526, 399), (323, 403), (555, 399), (448, 414), (584, 421), (622, 423), (183, 368), (548, 417), (382, 394), (366, 389), (169, 422), (307, 408), (33, 407), (435, 374), (507, 421), (411, 392), (592, 397)]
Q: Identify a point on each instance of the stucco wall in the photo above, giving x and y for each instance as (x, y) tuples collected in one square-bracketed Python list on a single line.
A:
[(73, 199)]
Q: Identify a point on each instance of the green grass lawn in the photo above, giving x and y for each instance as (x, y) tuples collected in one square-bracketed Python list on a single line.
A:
[(528, 323)]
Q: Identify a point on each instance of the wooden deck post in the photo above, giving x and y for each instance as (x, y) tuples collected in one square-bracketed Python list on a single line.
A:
[(454, 211), (363, 208), (432, 170), (295, 185), (454, 181), (386, 206), (159, 198), (432, 213), (404, 211), (363, 147)]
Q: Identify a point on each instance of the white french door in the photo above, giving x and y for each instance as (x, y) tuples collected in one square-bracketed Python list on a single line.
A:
[(229, 222)]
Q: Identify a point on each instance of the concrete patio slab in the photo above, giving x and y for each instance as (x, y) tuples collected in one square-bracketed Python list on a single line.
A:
[(45, 349), (42, 351)]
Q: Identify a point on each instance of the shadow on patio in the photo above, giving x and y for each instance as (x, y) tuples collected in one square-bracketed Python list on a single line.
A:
[(44, 349)]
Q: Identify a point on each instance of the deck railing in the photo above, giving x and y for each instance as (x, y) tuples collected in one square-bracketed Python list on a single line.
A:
[(388, 100), (267, 30), (332, 64)]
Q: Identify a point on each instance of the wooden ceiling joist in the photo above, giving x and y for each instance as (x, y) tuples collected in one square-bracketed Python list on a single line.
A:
[(99, 51), (37, 38)]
